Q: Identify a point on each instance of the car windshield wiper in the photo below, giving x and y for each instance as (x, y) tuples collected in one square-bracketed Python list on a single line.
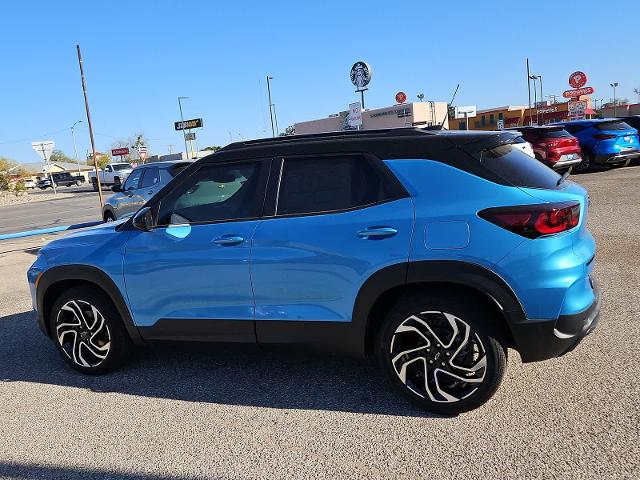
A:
[(564, 176)]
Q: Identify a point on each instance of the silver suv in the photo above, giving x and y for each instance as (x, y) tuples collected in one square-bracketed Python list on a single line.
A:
[(142, 184)]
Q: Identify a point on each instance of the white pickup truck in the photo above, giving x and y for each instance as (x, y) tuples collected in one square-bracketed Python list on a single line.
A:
[(111, 174)]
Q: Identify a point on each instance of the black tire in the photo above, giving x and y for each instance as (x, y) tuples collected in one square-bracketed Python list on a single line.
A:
[(94, 183), (482, 352), (116, 181), (89, 343), (109, 217), (78, 183), (585, 165)]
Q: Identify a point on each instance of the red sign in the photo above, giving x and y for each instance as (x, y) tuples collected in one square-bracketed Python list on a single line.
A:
[(120, 151), (578, 79), (577, 92), (401, 97)]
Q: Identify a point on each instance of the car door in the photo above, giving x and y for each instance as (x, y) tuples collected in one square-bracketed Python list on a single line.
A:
[(189, 277), (337, 220), (131, 198)]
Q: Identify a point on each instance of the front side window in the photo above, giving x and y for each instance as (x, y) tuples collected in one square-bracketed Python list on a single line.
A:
[(317, 184), (133, 180), (150, 178), (215, 193)]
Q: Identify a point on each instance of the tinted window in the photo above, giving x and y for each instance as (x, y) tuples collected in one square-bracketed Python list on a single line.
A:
[(150, 178), (554, 133), (574, 128), (312, 185), (133, 180), (612, 126), (517, 168), (215, 193), (122, 166)]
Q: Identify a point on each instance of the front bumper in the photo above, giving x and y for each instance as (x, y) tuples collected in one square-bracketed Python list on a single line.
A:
[(544, 339)]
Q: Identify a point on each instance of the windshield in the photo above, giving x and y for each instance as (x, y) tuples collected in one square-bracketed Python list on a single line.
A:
[(613, 126), (122, 166)]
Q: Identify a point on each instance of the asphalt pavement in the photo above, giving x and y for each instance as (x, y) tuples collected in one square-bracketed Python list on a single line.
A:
[(83, 207), (207, 411)]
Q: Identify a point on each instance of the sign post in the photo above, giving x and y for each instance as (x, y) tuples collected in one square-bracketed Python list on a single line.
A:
[(188, 125), (44, 150), (360, 77)]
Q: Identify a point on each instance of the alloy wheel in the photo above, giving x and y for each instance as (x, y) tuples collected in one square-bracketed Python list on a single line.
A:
[(438, 356), (83, 334)]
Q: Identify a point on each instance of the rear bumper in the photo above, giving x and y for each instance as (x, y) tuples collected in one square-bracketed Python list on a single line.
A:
[(617, 157), (544, 339), (564, 162)]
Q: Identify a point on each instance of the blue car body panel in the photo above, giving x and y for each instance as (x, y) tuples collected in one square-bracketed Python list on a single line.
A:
[(624, 141), (312, 267)]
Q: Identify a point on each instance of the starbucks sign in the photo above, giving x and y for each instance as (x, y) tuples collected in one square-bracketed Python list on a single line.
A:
[(360, 75)]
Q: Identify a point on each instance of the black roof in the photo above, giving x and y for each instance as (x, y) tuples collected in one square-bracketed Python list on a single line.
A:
[(387, 143)]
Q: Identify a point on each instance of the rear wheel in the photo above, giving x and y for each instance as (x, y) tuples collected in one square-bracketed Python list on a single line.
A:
[(585, 164), (442, 353), (116, 181), (78, 183), (109, 217), (88, 331), (94, 183), (621, 164)]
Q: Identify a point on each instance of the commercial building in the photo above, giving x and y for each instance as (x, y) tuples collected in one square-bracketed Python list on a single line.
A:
[(510, 116), (417, 114), (620, 110), (38, 170)]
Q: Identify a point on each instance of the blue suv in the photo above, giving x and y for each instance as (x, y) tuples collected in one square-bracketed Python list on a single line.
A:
[(604, 141), (433, 251)]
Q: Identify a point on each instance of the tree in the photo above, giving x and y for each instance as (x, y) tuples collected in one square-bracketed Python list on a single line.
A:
[(59, 156), (290, 130), (10, 170), (132, 143), (619, 101), (637, 92), (214, 149)]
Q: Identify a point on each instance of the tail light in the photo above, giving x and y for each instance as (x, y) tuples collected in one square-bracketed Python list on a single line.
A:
[(533, 221), (604, 136)]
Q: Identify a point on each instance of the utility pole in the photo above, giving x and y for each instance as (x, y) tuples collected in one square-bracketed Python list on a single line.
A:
[(75, 147), (535, 97), (529, 90), (541, 98), (93, 143), (184, 133), (614, 85), (273, 131), (170, 148)]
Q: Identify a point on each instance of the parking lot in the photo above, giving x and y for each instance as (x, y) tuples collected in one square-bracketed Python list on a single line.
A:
[(241, 412)]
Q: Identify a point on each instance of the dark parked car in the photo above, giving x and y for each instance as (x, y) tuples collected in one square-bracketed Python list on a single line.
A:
[(64, 179), (552, 145)]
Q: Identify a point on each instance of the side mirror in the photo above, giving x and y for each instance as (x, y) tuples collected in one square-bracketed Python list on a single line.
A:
[(143, 220), (116, 188)]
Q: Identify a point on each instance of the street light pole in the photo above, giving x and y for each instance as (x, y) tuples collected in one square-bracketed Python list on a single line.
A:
[(184, 133), (614, 85), (535, 97), (273, 131), (541, 98), (75, 147)]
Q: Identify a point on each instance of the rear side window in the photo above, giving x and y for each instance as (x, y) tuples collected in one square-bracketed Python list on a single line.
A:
[(325, 184), (612, 126), (517, 168)]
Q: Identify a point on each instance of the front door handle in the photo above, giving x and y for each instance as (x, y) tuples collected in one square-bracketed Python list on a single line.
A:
[(377, 232), (229, 240)]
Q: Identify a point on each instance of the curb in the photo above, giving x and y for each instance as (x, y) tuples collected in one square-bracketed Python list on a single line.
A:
[(41, 231)]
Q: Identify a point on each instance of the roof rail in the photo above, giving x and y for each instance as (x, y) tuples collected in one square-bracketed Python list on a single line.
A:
[(380, 133)]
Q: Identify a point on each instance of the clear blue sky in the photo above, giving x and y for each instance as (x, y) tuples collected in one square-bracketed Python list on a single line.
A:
[(139, 56)]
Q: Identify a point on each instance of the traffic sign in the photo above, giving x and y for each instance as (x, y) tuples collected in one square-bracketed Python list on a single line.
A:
[(120, 151), (44, 148), (401, 97), (355, 115), (187, 124), (577, 92), (142, 152), (578, 79)]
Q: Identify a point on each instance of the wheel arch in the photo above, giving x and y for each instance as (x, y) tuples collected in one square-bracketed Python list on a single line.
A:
[(385, 287), (58, 279)]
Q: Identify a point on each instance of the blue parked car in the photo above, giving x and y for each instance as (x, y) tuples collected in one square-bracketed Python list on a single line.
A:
[(434, 251), (605, 141)]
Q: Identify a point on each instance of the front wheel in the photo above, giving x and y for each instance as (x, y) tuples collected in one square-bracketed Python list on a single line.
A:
[(441, 353), (88, 331)]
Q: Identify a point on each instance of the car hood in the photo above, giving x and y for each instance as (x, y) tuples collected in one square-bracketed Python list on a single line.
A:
[(91, 236)]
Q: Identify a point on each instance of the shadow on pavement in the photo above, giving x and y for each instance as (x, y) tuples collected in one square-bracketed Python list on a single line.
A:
[(29, 471), (224, 374)]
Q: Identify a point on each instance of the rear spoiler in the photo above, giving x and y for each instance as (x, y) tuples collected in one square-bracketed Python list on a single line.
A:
[(477, 145)]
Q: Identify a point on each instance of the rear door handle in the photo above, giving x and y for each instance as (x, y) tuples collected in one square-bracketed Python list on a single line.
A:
[(229, 240), (377, 232)]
